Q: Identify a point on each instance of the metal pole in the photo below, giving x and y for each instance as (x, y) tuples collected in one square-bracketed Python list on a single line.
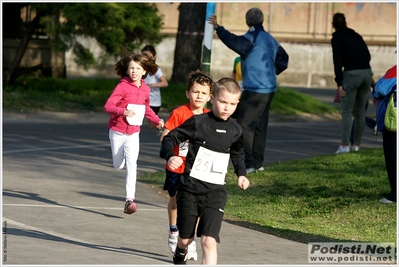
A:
[(270, 17), (208, 36)]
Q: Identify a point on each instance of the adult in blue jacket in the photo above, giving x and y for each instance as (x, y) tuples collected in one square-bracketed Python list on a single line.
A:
[(262, 59)]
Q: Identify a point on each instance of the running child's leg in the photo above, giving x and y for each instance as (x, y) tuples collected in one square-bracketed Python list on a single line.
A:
[(117, 141), (209, 250), (131, 154)]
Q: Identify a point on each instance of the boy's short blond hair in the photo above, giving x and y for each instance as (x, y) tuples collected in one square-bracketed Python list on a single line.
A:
[(228, 84)]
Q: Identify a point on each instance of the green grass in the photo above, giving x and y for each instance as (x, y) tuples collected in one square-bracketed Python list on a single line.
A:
[(47, 94), (324, 199), (290, 102)]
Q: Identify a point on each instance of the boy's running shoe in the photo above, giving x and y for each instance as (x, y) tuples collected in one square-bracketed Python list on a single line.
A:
[(172, 240), (180, 257), (192, 251), (130, 207)]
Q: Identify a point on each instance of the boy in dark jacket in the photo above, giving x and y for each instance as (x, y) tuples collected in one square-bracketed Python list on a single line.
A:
[(214, 139)]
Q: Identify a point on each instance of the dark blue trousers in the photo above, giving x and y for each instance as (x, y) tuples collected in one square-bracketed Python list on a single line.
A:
[(253, 115)]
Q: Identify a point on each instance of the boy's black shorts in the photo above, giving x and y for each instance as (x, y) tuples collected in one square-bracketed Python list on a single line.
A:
[(208, 207), (172, 181)]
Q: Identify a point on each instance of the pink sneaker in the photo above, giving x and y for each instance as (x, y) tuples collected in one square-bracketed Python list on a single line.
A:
[(130, 207)]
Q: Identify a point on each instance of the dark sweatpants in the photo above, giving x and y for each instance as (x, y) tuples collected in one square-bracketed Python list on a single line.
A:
[(389, 145), (253, 115)]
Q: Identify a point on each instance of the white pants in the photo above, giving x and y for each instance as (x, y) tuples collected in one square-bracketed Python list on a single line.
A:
[(125, 149)]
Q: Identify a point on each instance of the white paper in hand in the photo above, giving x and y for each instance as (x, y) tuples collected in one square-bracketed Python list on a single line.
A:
[(139, 111)]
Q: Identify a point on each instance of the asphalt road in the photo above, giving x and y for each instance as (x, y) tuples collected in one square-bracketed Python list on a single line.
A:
[(62, 200)]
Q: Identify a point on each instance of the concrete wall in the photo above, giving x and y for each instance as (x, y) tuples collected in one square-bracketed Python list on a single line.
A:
[(303, 29), (310, 64), (301, 21)]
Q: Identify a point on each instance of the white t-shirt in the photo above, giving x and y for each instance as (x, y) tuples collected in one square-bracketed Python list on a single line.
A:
[(155, 94)]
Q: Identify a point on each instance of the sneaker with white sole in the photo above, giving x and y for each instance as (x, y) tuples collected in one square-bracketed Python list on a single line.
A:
[(342, 149), (386, 201), (180, 257), (355, 148), (172, 240), (192, 251), (249, 170)]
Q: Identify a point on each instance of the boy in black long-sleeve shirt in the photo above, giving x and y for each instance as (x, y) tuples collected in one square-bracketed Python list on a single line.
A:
[(214, 139)]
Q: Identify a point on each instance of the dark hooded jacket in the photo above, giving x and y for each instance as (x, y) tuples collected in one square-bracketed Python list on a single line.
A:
[(350, 52)]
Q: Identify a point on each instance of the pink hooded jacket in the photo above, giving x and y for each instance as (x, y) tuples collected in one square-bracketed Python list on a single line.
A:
[(126, 92)]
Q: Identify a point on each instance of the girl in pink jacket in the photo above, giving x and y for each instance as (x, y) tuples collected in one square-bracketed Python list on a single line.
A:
[(128, 104)]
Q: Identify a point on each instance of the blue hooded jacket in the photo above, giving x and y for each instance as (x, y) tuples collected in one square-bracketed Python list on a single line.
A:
[(262, 57), (382, 91)]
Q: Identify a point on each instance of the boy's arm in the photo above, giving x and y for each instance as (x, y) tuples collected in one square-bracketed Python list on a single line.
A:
[(172, 122), (237, 156), (180, 134), (243, 182), (165, 132), (168, 143)]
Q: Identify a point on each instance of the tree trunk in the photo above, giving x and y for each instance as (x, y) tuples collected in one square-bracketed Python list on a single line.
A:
[(189, 39), (13, 72)]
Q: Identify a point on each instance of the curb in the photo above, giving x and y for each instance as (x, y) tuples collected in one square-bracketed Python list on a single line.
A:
[(102, 117)]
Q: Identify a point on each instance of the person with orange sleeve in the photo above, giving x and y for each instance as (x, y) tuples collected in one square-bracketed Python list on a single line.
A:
[(199, 88)]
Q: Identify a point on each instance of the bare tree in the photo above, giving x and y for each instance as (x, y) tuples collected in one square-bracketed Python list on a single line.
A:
[(189, 39)]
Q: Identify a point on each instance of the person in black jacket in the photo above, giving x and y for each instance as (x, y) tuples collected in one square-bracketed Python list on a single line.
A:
[(353, 76), (214, 139)]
